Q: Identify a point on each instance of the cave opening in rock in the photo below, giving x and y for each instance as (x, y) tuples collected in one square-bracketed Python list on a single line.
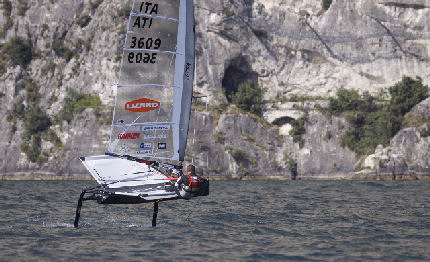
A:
[(239, 71), (282, 121)]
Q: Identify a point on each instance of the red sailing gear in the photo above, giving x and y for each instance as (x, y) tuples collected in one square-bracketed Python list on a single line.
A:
[(194, 183)]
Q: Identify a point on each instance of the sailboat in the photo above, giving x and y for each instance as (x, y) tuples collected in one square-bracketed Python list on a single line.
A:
[(152, 110)]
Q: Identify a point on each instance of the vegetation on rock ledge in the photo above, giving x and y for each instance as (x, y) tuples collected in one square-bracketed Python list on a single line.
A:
[(18, 51), (35, 120), (375, 122), (299, 129), (326, 4), (75, 103), (249, 97)]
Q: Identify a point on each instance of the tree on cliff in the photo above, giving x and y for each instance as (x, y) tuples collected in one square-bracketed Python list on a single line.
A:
[(373, 123), (249, 97)]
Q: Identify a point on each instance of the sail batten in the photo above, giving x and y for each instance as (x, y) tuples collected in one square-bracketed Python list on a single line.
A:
[(151, 50), (146, 85), (154, 90), (155, 17)]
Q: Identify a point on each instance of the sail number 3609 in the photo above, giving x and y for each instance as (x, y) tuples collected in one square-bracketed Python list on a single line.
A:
[(145, 43), (142, 58)]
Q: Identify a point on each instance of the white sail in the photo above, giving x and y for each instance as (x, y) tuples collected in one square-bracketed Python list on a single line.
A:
[(153, 102)]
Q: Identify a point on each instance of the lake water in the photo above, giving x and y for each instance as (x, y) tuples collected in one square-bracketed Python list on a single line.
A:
[(238, 221)]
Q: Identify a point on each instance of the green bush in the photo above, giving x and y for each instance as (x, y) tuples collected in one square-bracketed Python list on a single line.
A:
[(63, 51), (22, 7), (124, 12), (291, 164), (52, 137), (19, 51), (32, 149), (406, 94), (45, 28), (228, 12), (32, 94), (298, 129), (82, 45), (75, 103), (249, 97), (345, 100), (350, 100), (17, 112), (326, 4), (3, 63), (36, 120), (375, 122), (7, 7), (83, 20), (7, 12)]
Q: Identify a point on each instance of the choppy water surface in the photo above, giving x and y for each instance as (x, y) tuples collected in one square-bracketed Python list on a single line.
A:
[(240, 220)]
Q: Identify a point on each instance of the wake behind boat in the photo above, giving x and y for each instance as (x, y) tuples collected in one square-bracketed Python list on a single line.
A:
[(152, 112)]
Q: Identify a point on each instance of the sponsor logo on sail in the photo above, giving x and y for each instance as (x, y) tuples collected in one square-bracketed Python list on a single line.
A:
[(142, 105), (143, 152), (133, 136), (155, 137), (124, 148), (155, 128), (146, 145), (162, 146)]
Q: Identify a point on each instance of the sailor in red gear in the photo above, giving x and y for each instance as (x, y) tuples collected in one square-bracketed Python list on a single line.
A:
[(189, 183)]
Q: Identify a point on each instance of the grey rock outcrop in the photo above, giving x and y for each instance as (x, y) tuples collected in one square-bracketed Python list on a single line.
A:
[(322, 155), (235, 145), (409, 151)]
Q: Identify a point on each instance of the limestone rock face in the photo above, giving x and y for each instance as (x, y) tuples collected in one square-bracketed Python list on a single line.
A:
[(410, 154), (235, 145), (364, 45), (288, 47), (409, 150), (322, 155)]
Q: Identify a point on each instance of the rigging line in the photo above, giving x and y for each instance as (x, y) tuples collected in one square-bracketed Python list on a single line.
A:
[(148, 124), (150, 50), (125, 130), (168, 73), (150, 85)]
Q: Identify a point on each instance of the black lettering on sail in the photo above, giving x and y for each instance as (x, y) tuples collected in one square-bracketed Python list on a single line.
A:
[(142, 22), (154, 9), (149, 8)]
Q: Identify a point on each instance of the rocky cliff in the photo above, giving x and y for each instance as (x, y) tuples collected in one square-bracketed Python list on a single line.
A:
[(290, 48)]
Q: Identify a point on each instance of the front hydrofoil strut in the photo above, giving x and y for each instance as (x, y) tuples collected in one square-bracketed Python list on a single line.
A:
[(154, 216)]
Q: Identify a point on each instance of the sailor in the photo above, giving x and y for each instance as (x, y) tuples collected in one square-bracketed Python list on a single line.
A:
[(188, 184)]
